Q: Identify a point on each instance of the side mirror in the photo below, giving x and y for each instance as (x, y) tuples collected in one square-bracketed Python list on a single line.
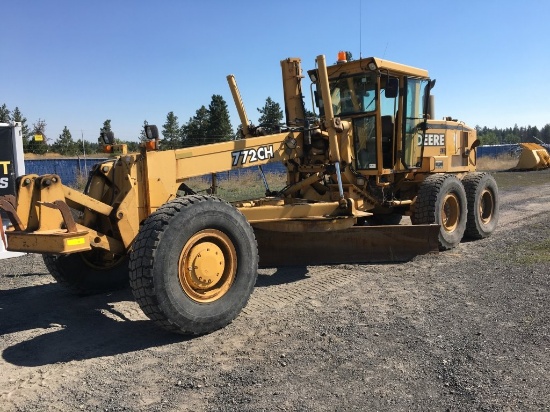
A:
[(313, 76), (392, 88), (151, 131), (107, 137), (428, 110)]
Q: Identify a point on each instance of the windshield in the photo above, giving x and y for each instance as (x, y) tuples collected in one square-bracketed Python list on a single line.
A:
[(354, 94)]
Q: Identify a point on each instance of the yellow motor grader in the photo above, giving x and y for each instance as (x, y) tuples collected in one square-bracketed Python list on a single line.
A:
[(371, 155)]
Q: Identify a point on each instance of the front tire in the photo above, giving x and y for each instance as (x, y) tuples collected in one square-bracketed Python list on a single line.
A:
[(483, 204), (441, 199), (194, 264), (87, 273)]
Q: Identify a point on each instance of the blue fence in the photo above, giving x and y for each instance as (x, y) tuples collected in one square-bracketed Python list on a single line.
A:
[(70, 169), (498, 150)]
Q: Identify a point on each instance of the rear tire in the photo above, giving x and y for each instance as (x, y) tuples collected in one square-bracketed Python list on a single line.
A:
[(194, 264), (441, 199), (483, 204), (88, 273)]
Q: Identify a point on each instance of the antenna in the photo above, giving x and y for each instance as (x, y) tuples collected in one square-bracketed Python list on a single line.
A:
[(360, 29)]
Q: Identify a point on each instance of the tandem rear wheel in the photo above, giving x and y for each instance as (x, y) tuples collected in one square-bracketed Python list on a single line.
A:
[(483, 204), (194, 264)]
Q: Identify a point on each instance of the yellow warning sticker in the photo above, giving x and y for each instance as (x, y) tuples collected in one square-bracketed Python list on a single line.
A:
[(76, 241)]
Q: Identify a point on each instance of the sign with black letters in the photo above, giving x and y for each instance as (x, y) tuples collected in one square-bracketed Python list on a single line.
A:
[(7, 162), (12, 164)]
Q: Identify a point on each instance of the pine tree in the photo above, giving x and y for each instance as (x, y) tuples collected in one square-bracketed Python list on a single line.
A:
[(271, 117), (87, 147), (25, 131), (488, 138), (4, 114), (219, 127), (106, 126), (196, 130), (104, 129), (38, 144), (310, 115), (532, 133), (171, 133), (545, 133), (65, 145)]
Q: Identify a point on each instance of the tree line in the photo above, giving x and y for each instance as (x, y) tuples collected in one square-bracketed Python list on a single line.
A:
[(511, 135), (209, 125)]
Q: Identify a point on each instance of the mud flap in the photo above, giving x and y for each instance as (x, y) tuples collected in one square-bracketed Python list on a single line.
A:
[(358, 244)]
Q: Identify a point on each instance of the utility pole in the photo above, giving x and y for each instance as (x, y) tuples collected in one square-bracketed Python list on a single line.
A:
[(84, 151)]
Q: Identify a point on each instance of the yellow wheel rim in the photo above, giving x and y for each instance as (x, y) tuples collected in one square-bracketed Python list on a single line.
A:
[(207, 266), (486, 206), (450, 212)]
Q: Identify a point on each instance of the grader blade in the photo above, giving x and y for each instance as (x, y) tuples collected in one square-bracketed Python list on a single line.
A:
[(358, 244), (533, 157)]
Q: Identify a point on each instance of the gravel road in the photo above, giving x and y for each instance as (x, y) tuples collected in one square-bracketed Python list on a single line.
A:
[(459, 331)]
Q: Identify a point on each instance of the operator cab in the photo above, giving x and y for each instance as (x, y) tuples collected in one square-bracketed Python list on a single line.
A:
[(386, 104)]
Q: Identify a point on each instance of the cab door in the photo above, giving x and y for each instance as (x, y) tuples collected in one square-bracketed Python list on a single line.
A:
[(416, 100)]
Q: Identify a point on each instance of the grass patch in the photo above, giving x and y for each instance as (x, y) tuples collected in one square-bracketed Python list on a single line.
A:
[(531, 251), (231, 187), (528, 253), (491, 164), (510, 180), (246, 185)]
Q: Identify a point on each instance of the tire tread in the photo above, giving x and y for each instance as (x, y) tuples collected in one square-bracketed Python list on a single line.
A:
[(425, 209), (144, 253)]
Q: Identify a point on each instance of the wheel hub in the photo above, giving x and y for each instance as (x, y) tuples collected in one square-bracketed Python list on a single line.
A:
[(206, 265), (486, 206), (450, 213)]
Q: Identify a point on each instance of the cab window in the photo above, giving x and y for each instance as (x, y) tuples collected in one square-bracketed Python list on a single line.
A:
[(354, 94)]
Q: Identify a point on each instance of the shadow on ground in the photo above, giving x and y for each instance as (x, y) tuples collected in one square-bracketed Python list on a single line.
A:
[(282, 276), (64, 327), (74, 328)]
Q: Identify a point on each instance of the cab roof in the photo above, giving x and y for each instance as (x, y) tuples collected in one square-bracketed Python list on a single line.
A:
[(356, 66)]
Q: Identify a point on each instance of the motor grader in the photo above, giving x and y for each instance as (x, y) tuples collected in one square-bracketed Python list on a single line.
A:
[(371, 155)]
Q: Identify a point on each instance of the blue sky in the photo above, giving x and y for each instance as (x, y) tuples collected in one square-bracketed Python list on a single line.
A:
[(76, 63)]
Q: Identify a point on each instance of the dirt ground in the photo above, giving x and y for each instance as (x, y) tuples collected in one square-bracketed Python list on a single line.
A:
[(463, 330)]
